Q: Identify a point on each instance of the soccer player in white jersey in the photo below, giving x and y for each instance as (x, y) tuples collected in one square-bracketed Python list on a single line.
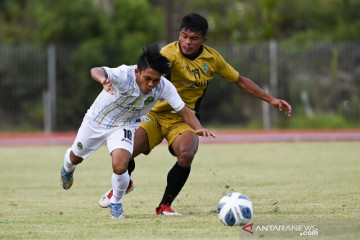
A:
[(129, 93)]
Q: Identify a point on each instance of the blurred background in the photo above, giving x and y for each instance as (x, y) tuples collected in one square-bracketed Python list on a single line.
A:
[(304, 51)]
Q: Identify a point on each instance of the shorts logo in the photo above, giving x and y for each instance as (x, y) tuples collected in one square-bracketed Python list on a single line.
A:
[(79, 146), (206, 68), (147, 119), (149, 100)]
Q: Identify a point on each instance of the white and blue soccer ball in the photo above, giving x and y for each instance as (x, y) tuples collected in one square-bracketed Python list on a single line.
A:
[(235, 209)]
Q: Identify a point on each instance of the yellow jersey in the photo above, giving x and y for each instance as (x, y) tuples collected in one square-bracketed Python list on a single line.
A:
[(191, 77)]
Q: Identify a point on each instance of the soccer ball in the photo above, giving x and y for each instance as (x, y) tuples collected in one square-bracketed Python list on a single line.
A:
[(235, 209)]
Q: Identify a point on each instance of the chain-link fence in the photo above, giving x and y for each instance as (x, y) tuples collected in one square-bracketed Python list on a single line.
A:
[(50, 89)]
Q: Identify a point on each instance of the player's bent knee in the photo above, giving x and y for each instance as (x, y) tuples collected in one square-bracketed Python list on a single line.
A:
[(120, 160), (119, 170), (187, 155), (185, 158)]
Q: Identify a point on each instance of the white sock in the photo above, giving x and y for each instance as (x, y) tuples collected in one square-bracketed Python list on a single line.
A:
[(119, 185), (69, 167)]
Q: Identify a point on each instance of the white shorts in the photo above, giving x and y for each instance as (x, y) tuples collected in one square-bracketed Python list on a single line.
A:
[(90, 137)]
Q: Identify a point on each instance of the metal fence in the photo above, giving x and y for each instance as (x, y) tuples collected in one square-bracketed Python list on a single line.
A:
[(39, 90)]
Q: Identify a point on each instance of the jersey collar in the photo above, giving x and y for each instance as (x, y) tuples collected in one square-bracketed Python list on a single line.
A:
[(195, 56)]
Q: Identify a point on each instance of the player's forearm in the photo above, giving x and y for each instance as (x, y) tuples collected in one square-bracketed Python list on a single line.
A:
[(252, 89), (98, 74), (190, 118)]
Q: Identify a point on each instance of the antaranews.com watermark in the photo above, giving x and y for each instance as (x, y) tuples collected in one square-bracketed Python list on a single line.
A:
[(303, 230), (348, 228)]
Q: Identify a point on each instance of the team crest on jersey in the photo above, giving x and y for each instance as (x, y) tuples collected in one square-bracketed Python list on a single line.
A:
[(147, 119), (206, 67), (149, 100), (79, 146)]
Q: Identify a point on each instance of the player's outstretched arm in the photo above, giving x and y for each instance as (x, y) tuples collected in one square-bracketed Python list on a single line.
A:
[(251, 88), (100, 75), (190, 118)]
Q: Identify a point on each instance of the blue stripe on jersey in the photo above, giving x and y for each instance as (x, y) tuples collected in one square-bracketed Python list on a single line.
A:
[(112, 106), (114, 120), (118, 117)]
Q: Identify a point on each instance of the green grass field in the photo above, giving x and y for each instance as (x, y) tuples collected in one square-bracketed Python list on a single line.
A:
[(289, 184)]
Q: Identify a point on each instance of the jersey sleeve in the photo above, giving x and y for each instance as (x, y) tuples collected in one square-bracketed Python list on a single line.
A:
[(225, 70), (117, 76), (171, 96)]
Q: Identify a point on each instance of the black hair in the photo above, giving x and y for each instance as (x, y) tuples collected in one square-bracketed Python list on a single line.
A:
[(152, 58), (194, 22)]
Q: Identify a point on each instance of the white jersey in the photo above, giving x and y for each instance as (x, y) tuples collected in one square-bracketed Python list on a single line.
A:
[(129, 104)]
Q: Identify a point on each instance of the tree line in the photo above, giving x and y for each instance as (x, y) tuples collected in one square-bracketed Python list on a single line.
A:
[(113, 32)]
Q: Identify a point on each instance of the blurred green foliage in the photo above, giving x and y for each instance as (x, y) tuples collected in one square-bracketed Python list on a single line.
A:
[(128, 24), (298, 21), (112, 32), (100, 33)]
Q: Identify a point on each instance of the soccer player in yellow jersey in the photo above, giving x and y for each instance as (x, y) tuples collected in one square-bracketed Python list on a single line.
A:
[(193, 65)]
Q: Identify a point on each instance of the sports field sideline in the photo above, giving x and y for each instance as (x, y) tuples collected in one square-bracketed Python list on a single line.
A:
[(227, 136)]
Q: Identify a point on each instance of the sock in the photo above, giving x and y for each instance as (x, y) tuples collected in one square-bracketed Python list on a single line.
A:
[(176, 179), (119, 186), (68, 166), (131, 166)]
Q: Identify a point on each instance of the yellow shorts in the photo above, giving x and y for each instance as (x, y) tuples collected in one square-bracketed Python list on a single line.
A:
[(164, 125)]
